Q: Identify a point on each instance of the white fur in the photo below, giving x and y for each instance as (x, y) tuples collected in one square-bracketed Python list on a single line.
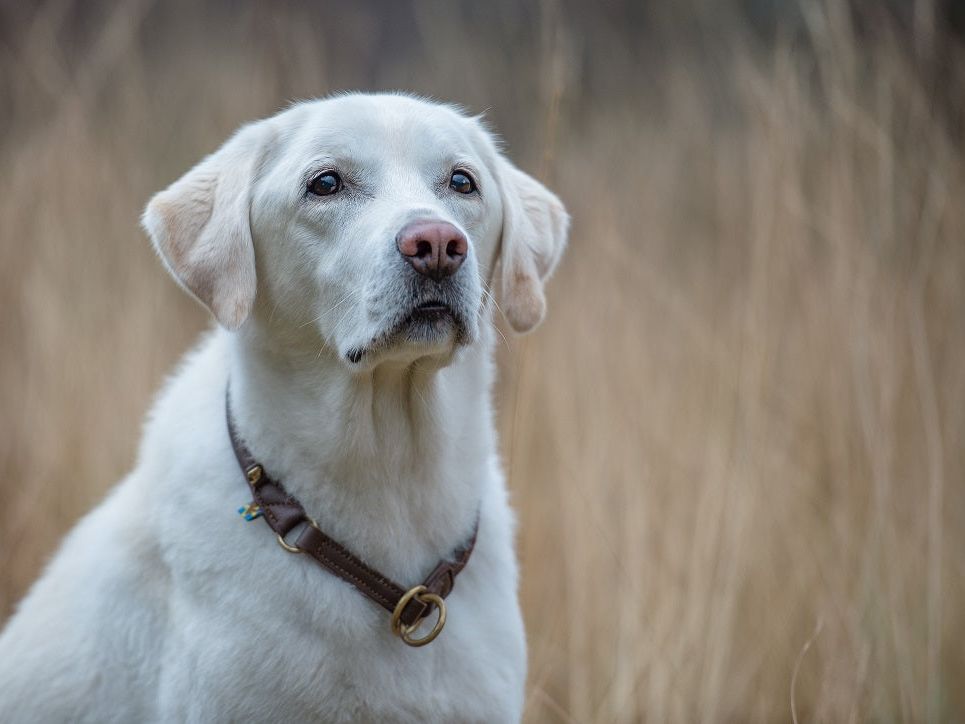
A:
[(164, 604)]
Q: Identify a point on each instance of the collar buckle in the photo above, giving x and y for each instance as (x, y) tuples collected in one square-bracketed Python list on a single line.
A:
[(404, 631)]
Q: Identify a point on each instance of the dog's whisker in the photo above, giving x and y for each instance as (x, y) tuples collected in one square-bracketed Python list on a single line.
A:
[(274, 308), (492, 298), (340, 302)]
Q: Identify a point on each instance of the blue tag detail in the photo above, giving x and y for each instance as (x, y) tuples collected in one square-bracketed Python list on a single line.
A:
[(250, 511)]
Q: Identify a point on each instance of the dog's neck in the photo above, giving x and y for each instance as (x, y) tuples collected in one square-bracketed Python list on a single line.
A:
[(392, 459)]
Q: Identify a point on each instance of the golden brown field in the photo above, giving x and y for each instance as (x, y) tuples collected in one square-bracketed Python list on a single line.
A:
[(737, 446)]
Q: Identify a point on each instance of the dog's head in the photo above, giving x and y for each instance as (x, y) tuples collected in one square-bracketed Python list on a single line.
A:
[(376, 223)]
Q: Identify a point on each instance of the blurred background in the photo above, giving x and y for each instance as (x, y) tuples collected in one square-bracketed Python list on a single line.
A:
[(737, 445)]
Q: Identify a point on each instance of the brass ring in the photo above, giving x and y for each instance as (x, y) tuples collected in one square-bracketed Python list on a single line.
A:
[(422, 595), (291, 548)]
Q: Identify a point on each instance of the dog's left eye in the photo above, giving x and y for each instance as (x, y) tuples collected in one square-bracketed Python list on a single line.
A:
[(325, 184), (461, 182)]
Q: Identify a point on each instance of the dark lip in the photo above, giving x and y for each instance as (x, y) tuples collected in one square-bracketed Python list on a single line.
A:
[(431, 308), (426, 312)]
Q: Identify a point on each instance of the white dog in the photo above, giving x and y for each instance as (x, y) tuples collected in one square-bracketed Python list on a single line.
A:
[(346, 247)]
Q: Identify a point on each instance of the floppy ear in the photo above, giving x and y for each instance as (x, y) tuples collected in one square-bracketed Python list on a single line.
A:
[(535, 226), (200, 228)]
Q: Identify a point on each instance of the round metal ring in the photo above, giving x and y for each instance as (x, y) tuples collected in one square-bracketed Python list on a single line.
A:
[(421, 594), (291, 548), (283, 544)]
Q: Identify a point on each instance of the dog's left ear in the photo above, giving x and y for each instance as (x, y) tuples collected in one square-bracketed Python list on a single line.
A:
[(535, 225), (200, 228)]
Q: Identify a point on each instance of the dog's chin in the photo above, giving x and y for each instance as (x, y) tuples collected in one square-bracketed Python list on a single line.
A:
[(430, 330)]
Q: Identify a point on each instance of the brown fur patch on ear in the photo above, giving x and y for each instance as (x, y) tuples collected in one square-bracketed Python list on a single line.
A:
[(235, 287), (523, 303), (182, 217)]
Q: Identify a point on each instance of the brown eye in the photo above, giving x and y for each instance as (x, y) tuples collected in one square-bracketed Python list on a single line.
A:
[(461, 182), (325, 184)]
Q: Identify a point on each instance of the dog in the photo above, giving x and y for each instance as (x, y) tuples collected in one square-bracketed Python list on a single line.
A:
[(354, 251)]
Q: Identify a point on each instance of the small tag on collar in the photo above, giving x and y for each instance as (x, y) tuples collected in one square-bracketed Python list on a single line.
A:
[(250, 511)]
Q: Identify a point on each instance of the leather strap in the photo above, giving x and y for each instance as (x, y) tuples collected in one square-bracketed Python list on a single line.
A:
[(284, 513)]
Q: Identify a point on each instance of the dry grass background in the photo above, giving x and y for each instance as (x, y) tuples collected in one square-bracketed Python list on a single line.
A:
[(736, 446)]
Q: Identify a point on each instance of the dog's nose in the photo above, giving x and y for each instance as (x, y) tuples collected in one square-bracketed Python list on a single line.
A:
[(435, 249)]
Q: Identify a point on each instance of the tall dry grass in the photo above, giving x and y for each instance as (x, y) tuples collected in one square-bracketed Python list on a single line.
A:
[(736, 446)]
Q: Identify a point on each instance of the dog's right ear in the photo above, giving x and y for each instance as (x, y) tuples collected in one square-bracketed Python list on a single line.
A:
[(535, 226), (200, 228)]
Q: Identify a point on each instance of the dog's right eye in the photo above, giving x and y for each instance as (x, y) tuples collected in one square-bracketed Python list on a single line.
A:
[(325, 184)]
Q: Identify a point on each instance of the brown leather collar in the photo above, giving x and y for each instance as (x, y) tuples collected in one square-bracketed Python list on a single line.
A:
[(284, 513)]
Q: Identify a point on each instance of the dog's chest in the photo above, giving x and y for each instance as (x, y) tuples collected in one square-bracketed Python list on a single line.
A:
[(262, 635)]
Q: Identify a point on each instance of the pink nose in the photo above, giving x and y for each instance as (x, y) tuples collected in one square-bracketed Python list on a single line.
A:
[(435, 249)]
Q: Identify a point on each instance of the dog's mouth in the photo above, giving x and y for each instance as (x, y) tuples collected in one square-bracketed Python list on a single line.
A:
[(431, 311), (428, 323)]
